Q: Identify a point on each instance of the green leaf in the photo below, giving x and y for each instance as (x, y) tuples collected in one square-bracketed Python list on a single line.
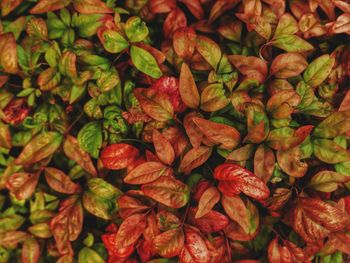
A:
[(90, 138), (40, 147), (292, 43), (327, 181), (135, 29), (336, 124), (87, 255), (87, 25), (114, 42), (318, 70), (145, 62), (330, 152)]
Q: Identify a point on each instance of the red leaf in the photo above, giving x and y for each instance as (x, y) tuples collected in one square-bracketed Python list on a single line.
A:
[(239, 180), (118, 156), (147, 173), (195, 249), (195, 7), (208, 200), (130, 230), (176, 19), (120, 253), (164, 150), (211, 222), (314, 219), (168, 191)]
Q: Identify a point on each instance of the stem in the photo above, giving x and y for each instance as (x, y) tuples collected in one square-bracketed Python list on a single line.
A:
[(185, 215)]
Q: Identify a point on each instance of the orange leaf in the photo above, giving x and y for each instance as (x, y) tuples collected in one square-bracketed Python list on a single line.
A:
[(170, 243), (226, 136), (167, 191), (164, 150), (188, 88), (194, 158), (8, 53), (288, 65), (207, 201), (155, 104), (147, 173), (60, 182), (130, 230)]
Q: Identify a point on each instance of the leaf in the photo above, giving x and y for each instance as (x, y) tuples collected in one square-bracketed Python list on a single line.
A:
[(88, 255), (209, 50), (130, 230), (292, 43), (60, 182), (118, 156), (156, 105), (287, 25), (207, 201), (327, 181), (188, 88), (135, 29), (314, 219), (73, 151), (113, 41), (170, 243), (330, 152), (184, 41), (195, 249), (318, 70), (213, 98), (147, 172), (290, 162), (49, 79), (30, 251), (90, 138), (251, 67), (226, 136), (164, 150), (193, 132), (194, 158), (278, 253), (234, 179), (264, 163), (239, 212), (91, 7), (36, 27), (7, 6), (335, 124), (66, 226), (40, 147), (211, 222), (288, 65), (45, 6), (145, 62), (8, 53), (167, 191), (22, 185)]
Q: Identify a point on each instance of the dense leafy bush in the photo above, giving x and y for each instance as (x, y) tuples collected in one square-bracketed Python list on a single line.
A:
[(192, 131)]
